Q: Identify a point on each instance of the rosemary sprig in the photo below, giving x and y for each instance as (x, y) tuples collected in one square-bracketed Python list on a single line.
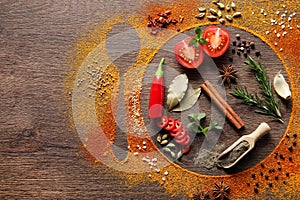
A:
[(267, 106)]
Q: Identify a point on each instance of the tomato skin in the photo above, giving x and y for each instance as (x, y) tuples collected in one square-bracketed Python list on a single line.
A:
[(218, 45), (185, 44)]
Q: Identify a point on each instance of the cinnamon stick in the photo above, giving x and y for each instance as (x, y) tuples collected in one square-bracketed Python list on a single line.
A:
[(231, 115)]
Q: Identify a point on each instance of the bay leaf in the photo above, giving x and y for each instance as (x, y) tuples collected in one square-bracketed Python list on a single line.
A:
[(177, 90), (189, 99)]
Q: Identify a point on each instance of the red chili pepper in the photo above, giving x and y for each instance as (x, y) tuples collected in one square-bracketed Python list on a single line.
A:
[(163, 122), (181, 134), (157, 93), (178, 126)]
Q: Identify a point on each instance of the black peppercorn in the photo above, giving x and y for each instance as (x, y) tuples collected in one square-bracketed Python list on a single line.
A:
[(245, 55), (233, 50), (257, 53), (230, 59), (252, 45), (238, 36), (234, 43)]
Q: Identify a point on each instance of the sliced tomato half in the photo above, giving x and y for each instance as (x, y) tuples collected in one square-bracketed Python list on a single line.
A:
[(218, 41), (188, 56)]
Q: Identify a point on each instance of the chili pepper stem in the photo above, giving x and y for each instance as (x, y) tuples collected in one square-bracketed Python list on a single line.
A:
[(159, 72)]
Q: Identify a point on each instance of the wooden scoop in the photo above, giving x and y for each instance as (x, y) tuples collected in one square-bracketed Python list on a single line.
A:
[(251, 139)]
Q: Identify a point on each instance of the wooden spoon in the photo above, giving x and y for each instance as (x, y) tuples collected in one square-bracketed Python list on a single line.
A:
[(251, 139)]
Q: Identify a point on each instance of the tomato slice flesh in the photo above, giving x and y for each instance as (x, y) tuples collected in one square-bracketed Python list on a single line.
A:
[(218, 41), (188, 56)]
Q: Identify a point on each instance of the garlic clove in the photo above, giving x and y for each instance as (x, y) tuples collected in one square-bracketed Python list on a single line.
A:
[(281, 87)]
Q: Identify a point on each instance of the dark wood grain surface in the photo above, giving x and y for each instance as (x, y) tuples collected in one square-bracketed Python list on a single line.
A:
[(41, 155)]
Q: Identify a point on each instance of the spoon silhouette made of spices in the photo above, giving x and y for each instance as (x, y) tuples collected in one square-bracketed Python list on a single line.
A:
[(241, 147)]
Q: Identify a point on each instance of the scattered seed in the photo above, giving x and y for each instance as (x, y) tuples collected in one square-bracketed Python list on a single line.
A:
[(200, 16), (233, 6), (257, 184), (237, 14), (290, 148), (201, 9), (228, 8), (238, 53), (255, 189), (279, 168), (211, 18), (245, 55), (228, 17), (219, 13), (270, 184), (284, 182), (163, 178), (290, 158), (248, 183), (164, 142), (165, 136), (287, 174), (213, 11), (295, 135), (233, 51), (278, 162), (222, 20), (166, 173), (158, 138), (253, 175), (234, 43), (252, 45), (294, 143), (287, 136), (261, 173), (266, 177), (220, 5), (276, 177), (281, 156), (238, 36)]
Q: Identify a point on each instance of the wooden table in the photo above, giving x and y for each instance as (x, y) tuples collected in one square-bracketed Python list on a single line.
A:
[(41, 155)]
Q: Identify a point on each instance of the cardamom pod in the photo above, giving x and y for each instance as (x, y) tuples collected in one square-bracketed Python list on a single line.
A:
[(201, 9), (219, 13), (213, 11), (233, 6), (212, 18), (229, 18), (237, 14), (200, 16), (220, 5)]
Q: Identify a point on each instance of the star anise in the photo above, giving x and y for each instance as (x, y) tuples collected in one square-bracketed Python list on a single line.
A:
[(221, 191), (228, 74), (201, 195)]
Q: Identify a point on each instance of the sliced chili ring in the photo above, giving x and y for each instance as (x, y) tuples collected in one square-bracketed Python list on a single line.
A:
[(178, 126), (171, 125), (163, 122), (181, 134), (184, 141), (185, 149)]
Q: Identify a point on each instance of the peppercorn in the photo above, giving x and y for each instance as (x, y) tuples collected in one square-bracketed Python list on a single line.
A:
[(245, 55), (230, 59), (257, 53), (234, 43), (233, 50), (238, 53), (238, 36), (252, 45)]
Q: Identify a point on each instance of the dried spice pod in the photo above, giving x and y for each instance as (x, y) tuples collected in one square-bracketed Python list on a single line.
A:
[(220, 6), (213, 11), (200, 16), (219, 13), (201, 9), (233, 6), (281, 87), (229, 18), (237, 14), (212, 18), (177, 90)]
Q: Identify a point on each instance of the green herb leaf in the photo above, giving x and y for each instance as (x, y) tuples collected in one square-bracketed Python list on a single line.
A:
[(198, 30), (203, 41), (195, 123)]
